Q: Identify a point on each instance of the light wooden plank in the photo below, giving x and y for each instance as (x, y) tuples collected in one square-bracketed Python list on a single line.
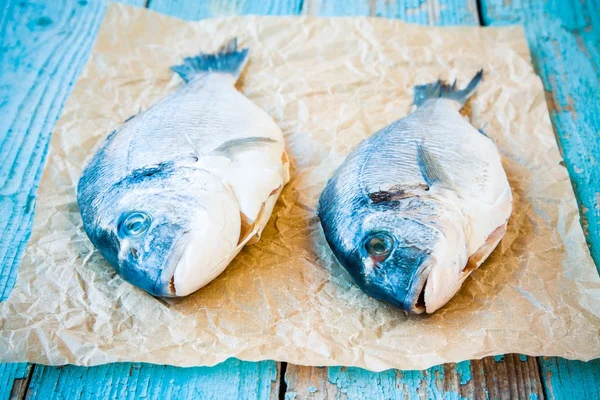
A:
[(426, 12), (196, 10), (570, 379), (504, 377), (232, 379)]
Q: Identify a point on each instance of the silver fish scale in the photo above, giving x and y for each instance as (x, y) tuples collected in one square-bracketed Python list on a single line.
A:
[(393, 158), (154, 139)]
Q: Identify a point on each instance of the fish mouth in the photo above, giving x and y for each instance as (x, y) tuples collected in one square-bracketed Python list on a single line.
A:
[(165, 283), (419, 306), (415, 299)]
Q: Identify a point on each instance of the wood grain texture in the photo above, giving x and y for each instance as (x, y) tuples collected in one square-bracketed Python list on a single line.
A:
[(195, 10), (505, 377), (564, 39), (570, 379), (232, 379), (44, 47), (13, 380), (426, 12)]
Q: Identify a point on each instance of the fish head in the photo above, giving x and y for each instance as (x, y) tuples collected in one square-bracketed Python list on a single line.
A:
[(393, 258), (403, 259), (165, 231)]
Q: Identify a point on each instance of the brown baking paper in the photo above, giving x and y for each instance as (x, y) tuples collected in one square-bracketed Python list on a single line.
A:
[(328, 83)]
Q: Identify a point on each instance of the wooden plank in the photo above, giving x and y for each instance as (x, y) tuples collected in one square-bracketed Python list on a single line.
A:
[(196, 10), (45, 46), (13, 380), (570, 379), (232, 379), (502, 377), (563, 37), (427, 12), (37, 71)]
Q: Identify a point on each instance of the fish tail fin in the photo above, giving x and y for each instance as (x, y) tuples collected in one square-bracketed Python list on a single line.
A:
[(228, 60), (441, 89)]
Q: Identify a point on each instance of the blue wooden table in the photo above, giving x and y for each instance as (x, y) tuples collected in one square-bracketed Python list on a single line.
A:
[(44, 45)]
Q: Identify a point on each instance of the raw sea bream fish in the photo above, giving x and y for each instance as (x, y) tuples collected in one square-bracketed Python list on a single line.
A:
[(172, 196), (419, 205)]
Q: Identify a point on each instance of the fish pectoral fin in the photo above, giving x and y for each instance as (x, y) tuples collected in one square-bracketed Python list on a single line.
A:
[(398, 192), (232, 147), (433, 173)]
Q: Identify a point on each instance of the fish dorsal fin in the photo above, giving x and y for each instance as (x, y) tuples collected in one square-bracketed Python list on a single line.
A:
[(432, 171), (232, 147)]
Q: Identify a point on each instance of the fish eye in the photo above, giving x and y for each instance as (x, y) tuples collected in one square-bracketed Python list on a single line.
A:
[(379, 245), (134, 224)]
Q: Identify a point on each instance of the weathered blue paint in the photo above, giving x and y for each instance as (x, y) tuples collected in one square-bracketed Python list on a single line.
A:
[(499, 358), (563, 38), (232, 379), (45, 47), (11, 376), (437, 12), (463, 369), (357, 383), (523, 357), (566, 379), (195, 10)]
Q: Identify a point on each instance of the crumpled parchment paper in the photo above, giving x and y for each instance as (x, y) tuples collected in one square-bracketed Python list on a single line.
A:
[(329, 83)]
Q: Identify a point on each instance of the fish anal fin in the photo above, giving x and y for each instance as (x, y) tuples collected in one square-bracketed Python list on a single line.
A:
[(432, 171)]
